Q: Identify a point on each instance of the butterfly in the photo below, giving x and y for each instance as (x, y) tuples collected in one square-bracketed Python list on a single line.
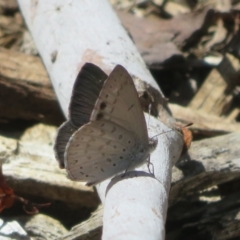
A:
[(106, 133)]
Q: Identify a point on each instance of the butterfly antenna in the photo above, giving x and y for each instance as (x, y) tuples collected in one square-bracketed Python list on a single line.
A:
[(187, 125), (162, 133)]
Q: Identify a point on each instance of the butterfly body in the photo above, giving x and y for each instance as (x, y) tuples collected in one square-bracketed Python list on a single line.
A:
[(115, 139)]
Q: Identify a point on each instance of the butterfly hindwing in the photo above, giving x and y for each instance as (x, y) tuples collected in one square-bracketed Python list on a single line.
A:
[(99, 150), (65, 131)]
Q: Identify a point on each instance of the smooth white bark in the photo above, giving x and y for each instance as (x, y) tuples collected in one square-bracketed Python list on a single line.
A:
[(69, 33)]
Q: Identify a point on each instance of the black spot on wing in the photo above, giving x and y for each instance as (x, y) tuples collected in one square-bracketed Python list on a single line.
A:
[(103, 105), (99, 116)]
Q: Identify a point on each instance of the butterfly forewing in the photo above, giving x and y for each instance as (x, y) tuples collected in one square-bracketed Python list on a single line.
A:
[(118, 102), (99, 150)]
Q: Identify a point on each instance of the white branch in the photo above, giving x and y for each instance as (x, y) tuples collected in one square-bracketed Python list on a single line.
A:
[(69, 33)]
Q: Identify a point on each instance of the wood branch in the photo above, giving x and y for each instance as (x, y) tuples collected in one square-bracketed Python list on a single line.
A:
[(90, 229), (204, 123), (31, 163), (11, 29), (10, 5), (25, 89), (212, 162), (216, 93), (72, 45), (42, 227), (26, 227), (218, 219)]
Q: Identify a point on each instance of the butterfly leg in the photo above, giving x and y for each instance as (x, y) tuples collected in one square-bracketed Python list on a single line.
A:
[(124, 174), (150, 164)]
